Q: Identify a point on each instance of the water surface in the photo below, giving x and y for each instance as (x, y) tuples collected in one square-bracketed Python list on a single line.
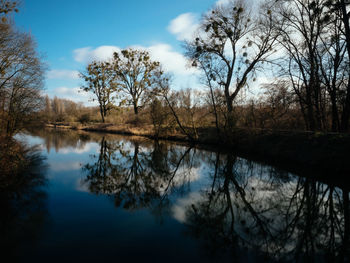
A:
[(113, 198)]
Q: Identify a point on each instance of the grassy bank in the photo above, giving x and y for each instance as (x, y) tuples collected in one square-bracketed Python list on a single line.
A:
[(325, 156)]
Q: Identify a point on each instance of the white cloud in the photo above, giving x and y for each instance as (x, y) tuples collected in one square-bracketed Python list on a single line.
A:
[(255, 86), (79, 150), (180, 207), (184, 26), (81, 186), (222, 2), (62, 74), (172, 61), (87, 54), (75, 94), (64, 166), (65, 91)]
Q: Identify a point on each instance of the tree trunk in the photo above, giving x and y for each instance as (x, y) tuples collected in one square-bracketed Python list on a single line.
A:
[(136, 109), (102, 115), (346, 238), (310, 111), (230, 119), (214, 108), (177, 118), (346, 112), (335, 114)]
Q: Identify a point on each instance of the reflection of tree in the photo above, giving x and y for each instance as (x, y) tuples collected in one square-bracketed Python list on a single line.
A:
[(22, 199), (138, 176), (62, 138), (246, 208), (316, 220)]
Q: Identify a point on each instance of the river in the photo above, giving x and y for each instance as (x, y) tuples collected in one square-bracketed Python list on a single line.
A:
[(104, 197)]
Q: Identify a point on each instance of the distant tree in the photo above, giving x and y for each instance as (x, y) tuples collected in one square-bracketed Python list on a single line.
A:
[(100, 79), (234, 42), (71, 108), (59, 109), (84, 118), (159, 115), (275, 104), (162, 83), (134, 70), (57, 106), (48, 108)]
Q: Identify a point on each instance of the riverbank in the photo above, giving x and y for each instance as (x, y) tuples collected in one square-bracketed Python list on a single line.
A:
[(325, 155)]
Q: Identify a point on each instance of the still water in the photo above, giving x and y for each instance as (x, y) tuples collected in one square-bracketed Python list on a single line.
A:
[(98, 198)]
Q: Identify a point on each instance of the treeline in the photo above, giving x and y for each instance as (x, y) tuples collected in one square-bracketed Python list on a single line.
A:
[(21, 73), (64, 110), (301, 46)]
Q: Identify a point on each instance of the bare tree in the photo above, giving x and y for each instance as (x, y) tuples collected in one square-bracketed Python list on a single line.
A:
[(21, 77), (314, 35), (342, 6), (236, 42), (162, 89), (302, 30), (333, 63)]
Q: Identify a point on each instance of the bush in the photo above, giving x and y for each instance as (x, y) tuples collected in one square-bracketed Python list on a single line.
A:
[(84, 118)]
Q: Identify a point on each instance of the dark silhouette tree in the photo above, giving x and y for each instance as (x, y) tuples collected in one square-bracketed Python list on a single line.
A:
[(235, 42)]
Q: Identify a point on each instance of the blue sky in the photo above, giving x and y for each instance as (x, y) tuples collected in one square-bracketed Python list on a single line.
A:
[(72, 33)]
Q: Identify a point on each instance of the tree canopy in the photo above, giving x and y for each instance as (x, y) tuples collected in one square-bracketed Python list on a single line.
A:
[(134, 70), (100, 79)]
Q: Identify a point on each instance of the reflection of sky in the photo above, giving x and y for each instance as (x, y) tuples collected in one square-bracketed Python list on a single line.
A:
[(66, 174), (31, 140), (64, 166), (182, 177), (86, 148), (94, 222), (256, 180), (182, 204)]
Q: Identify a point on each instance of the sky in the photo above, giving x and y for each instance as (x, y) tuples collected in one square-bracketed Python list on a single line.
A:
[(70, 34)]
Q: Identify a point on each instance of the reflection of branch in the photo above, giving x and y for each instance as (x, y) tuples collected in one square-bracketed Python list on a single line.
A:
[(260, 222), (174, 173), (331, 218), (229, 202), (295, 220), (345, 248), (230, 174), (309, 218), (214, 179)]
